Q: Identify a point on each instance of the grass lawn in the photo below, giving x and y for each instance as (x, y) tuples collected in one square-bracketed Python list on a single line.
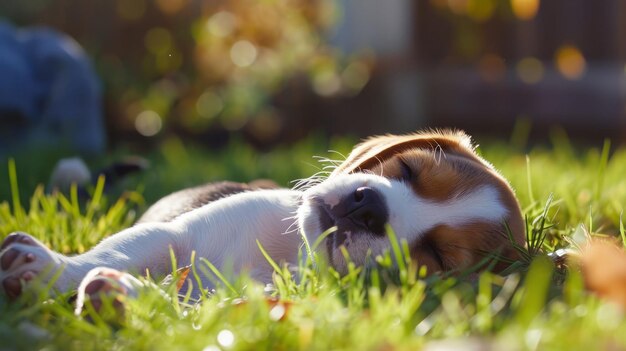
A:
[(567, 194)]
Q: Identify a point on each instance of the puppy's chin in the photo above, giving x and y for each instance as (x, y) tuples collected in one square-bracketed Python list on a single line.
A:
[(345, 242), (340, 245)]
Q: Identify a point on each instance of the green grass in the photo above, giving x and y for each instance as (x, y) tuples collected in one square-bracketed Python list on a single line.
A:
[(565, 192)]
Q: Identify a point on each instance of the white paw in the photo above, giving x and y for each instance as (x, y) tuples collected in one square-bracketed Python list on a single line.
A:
[(22, 259), (106, 284)]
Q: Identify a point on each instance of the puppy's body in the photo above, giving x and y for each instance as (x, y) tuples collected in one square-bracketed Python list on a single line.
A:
[(186, 200), (223, 232), (451, 207)]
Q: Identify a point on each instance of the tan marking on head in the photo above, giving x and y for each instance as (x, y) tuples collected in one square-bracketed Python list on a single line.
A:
[(377, 149), (464, 247), (443, 166)]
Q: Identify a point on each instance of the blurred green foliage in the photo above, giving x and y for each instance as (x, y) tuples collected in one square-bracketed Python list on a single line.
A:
[(190, 66), (177, 164)]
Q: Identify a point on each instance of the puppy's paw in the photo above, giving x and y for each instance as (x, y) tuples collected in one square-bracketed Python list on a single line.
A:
[(22, 259), (106, 290)]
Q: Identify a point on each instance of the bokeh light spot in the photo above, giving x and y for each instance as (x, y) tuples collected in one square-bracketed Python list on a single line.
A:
[(326, 83), (481, 10), (277, 312), (570, 62), (209, 105), (169, 7), (355, 76), (226, 338), (222, 24), (243, 53), (530, 70), (148, 123), (525, 9)]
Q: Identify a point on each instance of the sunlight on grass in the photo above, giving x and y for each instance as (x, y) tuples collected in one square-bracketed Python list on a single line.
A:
[(390, 305)]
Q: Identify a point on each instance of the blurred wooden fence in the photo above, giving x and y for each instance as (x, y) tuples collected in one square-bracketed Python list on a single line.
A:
[(450, 64), (563, 65)]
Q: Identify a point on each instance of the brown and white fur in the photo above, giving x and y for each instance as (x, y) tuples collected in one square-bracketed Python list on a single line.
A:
[(451, 206)]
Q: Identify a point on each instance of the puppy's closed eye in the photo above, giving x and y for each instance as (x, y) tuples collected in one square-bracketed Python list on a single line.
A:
[(433, 250), (426, 253), (406, 172)]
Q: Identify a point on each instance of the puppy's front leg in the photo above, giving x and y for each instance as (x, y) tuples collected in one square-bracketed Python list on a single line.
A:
[(23, 258)]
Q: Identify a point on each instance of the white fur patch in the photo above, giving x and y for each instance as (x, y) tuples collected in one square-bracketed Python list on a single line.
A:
[(410, 215)]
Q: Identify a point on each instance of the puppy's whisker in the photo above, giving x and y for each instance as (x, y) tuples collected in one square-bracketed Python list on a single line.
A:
[(312, 165), (300, 182), (294, 212), (333, 163), (293, 227), (319, 174), (439, 154), (344, 157), (305, 183), (322, 159), (289, 230)]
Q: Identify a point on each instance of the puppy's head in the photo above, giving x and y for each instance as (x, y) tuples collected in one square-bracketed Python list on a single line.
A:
[(450, 206)]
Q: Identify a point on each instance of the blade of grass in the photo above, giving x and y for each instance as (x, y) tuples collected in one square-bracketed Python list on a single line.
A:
[(604, 160), (18, 211), (535, 292), (219, 275), (529, 182)]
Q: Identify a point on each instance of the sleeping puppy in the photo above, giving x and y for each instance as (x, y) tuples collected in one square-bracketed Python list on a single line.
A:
[(450, 206)]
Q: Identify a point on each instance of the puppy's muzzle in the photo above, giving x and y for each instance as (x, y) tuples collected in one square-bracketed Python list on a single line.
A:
[(363, 210)]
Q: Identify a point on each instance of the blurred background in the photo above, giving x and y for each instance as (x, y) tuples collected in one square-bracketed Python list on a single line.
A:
[(275, 71)]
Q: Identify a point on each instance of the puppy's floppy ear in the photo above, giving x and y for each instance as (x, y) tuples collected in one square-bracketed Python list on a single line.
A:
[(377, 149)]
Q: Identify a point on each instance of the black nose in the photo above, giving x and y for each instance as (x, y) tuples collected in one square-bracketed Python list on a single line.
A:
[(364, 209)]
